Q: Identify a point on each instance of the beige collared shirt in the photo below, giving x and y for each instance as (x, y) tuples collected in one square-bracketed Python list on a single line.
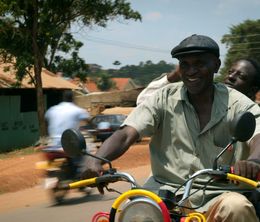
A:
[(178, 147)]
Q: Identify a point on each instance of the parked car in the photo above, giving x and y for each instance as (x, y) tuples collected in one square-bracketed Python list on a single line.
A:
[(104, 125)]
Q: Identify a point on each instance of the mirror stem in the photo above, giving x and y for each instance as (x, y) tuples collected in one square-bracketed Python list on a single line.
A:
[(100, 158), (215, 163)]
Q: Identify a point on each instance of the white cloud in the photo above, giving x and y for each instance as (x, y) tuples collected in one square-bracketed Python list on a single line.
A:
[(165, 23), (152, 16), (235, 6)]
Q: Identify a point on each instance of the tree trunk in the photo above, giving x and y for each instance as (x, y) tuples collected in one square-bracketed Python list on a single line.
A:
[(40, 101), (38, 63)]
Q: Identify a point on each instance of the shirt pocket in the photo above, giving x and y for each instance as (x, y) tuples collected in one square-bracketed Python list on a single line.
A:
[(221, 139), (211, 146)]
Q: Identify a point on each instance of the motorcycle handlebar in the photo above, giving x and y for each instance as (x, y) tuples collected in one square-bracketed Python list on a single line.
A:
[(121, 176), (104, 179), (218, 174)]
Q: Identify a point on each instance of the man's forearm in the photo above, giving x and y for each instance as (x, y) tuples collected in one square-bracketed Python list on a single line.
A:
[(116, 145)]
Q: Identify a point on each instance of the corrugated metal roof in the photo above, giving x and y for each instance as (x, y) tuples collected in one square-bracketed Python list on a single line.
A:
[(49, 79)]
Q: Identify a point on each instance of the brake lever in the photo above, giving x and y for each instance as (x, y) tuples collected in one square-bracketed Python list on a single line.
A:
[(111, 190), (230, 169)]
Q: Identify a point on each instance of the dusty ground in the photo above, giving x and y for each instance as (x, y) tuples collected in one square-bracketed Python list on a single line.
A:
[(118, 110), (19, 172)]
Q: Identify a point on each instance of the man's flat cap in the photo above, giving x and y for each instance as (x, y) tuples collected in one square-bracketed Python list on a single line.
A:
[(195, 44)]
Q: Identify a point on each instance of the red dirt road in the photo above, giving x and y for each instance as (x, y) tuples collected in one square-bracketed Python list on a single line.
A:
[(19, 173)]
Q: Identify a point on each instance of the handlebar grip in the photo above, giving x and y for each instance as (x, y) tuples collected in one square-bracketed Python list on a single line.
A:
[(233, 171), (108, 178), (93, 181), (82, 183), (243, 179)]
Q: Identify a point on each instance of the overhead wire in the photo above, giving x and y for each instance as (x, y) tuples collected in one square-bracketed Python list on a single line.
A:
[(125, 44), (231, 36), (241, 49), (244, 43), (235, 47)]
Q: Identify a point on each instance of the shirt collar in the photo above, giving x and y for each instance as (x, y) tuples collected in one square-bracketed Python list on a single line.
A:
[(220, 103)]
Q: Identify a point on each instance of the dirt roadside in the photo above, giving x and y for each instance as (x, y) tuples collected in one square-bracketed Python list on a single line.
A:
[(22, 182), (18, 173)]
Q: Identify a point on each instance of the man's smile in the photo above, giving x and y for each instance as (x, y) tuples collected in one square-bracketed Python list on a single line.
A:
[(192, 79)]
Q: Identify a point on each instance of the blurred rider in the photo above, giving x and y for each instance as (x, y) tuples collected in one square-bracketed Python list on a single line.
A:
[(63, 116)]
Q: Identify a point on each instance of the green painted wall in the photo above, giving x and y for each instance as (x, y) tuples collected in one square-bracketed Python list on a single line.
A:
[(17, 129)]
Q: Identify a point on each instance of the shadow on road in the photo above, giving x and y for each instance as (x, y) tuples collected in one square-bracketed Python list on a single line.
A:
[(85, 198)]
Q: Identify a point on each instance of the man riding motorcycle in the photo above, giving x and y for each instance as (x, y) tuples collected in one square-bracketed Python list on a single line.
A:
[(189, 124)]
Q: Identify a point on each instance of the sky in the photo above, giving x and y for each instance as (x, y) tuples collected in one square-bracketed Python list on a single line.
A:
[(164, 24)]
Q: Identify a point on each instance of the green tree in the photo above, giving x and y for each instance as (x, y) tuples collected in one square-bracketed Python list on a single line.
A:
[(104, 82), (71, 67), (143, 73), (32, 31), (242, 41), (116, 63)]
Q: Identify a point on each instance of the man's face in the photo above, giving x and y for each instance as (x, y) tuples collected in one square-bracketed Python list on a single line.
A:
[(241, 76), (197, 71)]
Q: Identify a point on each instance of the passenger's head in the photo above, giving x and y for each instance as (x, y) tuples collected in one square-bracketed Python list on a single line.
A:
[(198, 57), (67, 96), (244, 76)]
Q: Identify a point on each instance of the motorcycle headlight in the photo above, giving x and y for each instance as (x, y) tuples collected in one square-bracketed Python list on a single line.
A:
[(140, 209)]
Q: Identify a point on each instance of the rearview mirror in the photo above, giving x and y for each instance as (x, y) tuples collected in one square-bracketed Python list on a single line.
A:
[(243, 126), (73, 142), (242, 129)]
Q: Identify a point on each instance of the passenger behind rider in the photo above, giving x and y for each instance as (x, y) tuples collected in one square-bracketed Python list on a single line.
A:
[(189, 125), (244, 76)]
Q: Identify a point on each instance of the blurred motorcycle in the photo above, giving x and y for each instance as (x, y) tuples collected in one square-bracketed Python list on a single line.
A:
[(60, 169)]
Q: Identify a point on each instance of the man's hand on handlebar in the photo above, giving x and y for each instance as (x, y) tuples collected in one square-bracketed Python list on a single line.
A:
[(247, 168), (93, 168)]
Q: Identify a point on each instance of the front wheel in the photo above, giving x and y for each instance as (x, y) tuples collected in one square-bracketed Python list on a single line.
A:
[(57, 194)]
